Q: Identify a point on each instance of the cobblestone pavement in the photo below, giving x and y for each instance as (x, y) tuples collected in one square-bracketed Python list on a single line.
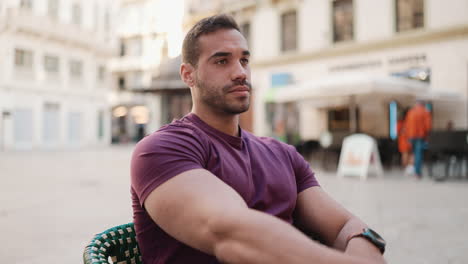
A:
[(52, 202)]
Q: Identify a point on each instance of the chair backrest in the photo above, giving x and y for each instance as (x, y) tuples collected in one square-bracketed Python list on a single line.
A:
[(118, 243)]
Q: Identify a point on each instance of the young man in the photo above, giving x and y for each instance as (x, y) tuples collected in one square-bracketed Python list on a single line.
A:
[(206, 191), (418, 125)]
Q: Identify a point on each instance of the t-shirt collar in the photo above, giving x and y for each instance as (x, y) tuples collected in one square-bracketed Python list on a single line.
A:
[(232, 140)]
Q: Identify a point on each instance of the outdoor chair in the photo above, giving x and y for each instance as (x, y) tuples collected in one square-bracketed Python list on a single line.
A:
[(117, 243)]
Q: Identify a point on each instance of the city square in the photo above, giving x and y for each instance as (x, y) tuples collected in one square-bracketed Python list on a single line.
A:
[(53, 202)]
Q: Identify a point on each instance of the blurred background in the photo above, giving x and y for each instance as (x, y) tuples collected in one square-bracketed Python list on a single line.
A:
[(81, 81), (89, 73)]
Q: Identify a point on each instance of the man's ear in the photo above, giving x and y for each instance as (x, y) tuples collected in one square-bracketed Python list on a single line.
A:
[(187, 72)]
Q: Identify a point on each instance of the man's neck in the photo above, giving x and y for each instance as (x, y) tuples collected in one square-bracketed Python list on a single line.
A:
[(226, 123)]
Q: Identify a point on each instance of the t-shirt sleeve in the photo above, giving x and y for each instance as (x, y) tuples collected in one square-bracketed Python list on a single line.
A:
[(305, 177), (163, 155)]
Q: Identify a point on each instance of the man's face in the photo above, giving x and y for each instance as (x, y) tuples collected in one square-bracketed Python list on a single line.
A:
[(222, 76)]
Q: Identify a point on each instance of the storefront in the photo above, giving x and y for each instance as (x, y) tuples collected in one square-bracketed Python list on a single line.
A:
[(353, 103), (129, 123)]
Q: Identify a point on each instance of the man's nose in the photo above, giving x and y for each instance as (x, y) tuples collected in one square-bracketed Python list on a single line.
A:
[(239, 72)]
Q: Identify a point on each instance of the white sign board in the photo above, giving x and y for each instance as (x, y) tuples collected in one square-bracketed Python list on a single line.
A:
[(359, 157)]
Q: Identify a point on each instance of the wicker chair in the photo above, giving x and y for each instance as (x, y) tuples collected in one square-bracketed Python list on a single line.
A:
[(117, 243)]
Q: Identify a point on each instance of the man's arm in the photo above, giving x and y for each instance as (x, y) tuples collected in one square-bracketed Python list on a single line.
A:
[(198, 209), (318, 213)]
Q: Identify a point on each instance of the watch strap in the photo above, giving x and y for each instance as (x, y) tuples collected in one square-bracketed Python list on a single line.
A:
[(367, 237)]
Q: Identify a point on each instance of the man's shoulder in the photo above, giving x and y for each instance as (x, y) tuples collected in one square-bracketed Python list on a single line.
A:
[(176, 132), (178, 126)]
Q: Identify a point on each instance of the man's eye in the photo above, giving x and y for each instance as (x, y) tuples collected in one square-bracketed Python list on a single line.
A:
[(223, 61), (245, 61)]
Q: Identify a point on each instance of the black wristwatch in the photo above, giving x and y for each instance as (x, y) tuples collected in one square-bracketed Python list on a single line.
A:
[(372, 237)]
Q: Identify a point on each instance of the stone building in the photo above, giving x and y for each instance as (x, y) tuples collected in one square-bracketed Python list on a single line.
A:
[(149, 33), (54, 83)]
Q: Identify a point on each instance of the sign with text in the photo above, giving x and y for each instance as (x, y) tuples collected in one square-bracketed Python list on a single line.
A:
[(359, 157)]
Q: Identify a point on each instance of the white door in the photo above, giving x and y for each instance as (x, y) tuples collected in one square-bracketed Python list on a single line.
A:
[(51, 124), (74, 128), (23, 128)]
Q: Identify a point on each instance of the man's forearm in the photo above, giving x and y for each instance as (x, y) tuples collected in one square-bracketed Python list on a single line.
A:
[(256, 237)]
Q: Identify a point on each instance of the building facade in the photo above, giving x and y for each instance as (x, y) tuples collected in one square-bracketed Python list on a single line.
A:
[(149, 33), (54, 83), (312, 44)]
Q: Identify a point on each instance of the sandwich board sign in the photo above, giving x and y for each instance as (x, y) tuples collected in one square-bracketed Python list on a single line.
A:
[(359, 157)]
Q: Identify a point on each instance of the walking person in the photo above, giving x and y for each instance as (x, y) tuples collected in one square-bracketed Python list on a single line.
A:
[(206, 191), (418, 125)]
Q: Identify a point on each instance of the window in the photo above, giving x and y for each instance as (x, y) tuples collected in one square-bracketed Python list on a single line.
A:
[(340, 120), (101, 73), (74, 127), (76, 69), (51, 123), (107, 22), (288, 31), (245, 30), (122, 48), (343, 20), (23, 58), (100, 125), (51, 64), (122, 83), (134, 46), (409, 14), (26, 4), (76, 14), (136, 80), (52, 8), (23, 126), (96, 17)]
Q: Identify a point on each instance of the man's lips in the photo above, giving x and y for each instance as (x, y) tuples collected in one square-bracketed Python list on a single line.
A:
[(240, 88)]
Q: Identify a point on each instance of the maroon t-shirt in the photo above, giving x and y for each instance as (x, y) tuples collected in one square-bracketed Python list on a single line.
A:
[(267, 174)]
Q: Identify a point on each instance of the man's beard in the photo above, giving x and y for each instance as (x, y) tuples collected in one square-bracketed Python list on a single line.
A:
[(215, 97)]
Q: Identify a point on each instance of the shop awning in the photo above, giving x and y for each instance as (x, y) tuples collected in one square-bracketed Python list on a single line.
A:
[(337, 88)]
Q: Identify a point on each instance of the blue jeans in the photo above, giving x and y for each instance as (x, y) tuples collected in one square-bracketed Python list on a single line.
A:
[(418, 145)]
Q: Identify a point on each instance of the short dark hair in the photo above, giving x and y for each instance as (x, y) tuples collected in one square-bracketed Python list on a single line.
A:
[(191, 47)]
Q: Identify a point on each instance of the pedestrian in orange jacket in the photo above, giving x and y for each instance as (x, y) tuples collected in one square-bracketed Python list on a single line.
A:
[(418, 125)]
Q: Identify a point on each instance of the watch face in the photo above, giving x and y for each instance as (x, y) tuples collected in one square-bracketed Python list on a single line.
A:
[(376, 236)]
